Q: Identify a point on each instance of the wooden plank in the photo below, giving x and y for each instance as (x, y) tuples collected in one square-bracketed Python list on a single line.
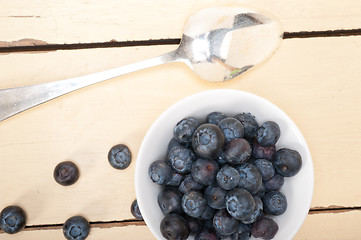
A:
[(310, 79), (58, 22)]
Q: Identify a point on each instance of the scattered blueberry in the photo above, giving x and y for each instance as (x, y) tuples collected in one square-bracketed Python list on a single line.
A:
[(76, 228), (184, 129), (275, 203), (193, 203), (287, 162), (12, 219), (249, 123), (174, 227), (206, 234), (231, 128), (215, 117), (268, 134), (237, 151), (275, 183), (207, 141), (224, 224), (66, 173), (215, 197), (264, 228), (265, 167), (119, 156), (160, 172), (227, 177), (134, 209), (189, 184), (259, 151), (256, 214), (204, 171), (250, 177), (181, 159), (169, 201), (240, 203)]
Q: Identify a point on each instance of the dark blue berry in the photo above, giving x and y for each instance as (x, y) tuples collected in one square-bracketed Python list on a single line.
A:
[(66, 173), (268, 134), (224, 224), (249, 123), (76, 228), (189, 184), (206, 234), (264, 228), (227, 177), (12, 219), (215, 197), (119, 156), (257, 213), (204, 171), (207, 141), (175, 180), (231, 128), (237, 151), (215, 117), (194, 203), (160, 172), (259, 151), (265, 167), (208, 213), (275, 183), (174, 227), (243, 233), (240, 203), (194, 224), (174, 143), (274, 203), (221, 159), (250, 177), (169, 201), (287, 162), (181, 159), (262, 191), (184, 129), (134, 209)]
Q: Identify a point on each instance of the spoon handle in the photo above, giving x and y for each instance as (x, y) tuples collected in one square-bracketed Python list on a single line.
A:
[(16, 100)]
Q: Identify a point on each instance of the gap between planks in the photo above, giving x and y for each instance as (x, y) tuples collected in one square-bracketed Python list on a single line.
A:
[(134, 222), (41, 46)]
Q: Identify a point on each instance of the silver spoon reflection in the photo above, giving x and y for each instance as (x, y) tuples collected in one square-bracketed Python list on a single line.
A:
[(218, 44)]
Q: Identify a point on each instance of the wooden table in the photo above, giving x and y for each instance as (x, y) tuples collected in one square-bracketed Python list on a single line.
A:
[(315, 77)]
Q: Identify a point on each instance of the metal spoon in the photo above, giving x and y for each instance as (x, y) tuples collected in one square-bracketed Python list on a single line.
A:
[(218, 44)]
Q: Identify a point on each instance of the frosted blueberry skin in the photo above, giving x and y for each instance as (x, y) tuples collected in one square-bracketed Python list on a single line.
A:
[(160, 172), (223, 223), (275, 183), (215, 117), (287, 162), (275, 203), (227, 177), (76, 228), (119, 156), (256, 214), (194, 203), (249, 123), (231, 128), (240, 203), (208, 141), (250, 177), (268, 134), (181, 159), (189, 184), (215, 197), (134, 209), (184, 129), (265, 167), (12, 219)]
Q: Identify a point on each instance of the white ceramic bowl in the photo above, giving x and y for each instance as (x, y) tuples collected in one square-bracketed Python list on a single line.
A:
[(298, 189)]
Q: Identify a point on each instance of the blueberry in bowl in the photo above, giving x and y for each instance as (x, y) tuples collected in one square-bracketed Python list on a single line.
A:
[(292, 178)]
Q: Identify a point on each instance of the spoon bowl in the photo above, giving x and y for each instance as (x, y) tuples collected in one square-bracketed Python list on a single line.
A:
[(218, 44)]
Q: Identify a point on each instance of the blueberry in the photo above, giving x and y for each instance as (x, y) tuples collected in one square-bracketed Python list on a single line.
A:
[(204, 171), (119, 156), (264, 228), (184, 129), (237, 151), (259, 151), (223, 223), (174, 143), (134, 209), (66, 173), (268, 134), (76, 228), (12, 219), (287, 162), (275, 183), (262, 191), (250, 177), (215, 197), (265, 167), (249, 123), (240, 203), (221, 159), (174, 227), (189, 184), (195, 225), (175, 180), (207, 141), (169, 201), (275, 203), (243, 233), (256, 214), (160, 172), (208, 213), (215, 117), (194, 203), (206, 234), (231, 128), (181, 159), (227, 177)]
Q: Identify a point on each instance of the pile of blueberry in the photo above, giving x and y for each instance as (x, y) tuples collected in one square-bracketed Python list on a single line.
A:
[(222, 177)]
